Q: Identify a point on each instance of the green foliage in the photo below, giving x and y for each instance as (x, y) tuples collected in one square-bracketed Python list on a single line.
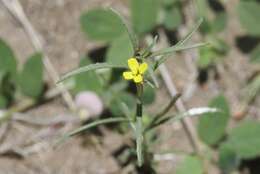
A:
[(244, 140), (87, 81), (3, 102), (102, 24), (90, 67), (228, 160), (30, 80), (249, 15), (120, 51), (212, 54), (144, 15), (191, 164), (255, 55), (212, 126), (120, 97), (173, 18), (219, 23), (7, 59), (148, 95)]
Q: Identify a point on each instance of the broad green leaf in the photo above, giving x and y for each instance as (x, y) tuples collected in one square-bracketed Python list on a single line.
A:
[(228, 160), (148, 95), (3, 102), (249, 15), (90, 67), (207, 56), (120, 97), (212, 126), (7, 59), (30, 79), (130, 32), (88, 80), (173, 18), (244, 139), (219, 23), (120, 51), (102, 24), (202, 7), (191, 164), (255, 55), (144, 15)]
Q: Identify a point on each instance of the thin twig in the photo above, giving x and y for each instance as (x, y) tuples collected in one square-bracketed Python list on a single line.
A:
[(15, 8)]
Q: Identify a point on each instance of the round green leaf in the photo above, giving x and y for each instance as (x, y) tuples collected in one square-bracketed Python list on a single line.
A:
[(173, 18), (191, 164), (144, 14), (101, 24), (148, 95), (212, 126), (120, 51), (124, 97), (31, 78), (249, 14), (87, 81), (7, 59), (244, 139), (255, 55)]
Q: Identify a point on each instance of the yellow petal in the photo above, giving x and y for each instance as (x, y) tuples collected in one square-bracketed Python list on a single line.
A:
[(138, 78), (128, 75), (133, 65), (143, 67)]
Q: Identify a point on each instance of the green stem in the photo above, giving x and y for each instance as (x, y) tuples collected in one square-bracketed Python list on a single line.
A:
[(139, 125)]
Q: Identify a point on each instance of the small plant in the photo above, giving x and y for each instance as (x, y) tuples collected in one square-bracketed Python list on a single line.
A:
[(142, 61)]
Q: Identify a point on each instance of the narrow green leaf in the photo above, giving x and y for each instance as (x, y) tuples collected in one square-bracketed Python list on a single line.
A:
[(129, 30), (177, 48), (91, 125), (31, 78), (190, 33), (91, 67)]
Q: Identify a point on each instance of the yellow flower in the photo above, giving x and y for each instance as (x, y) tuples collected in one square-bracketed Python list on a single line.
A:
[(136, 70)]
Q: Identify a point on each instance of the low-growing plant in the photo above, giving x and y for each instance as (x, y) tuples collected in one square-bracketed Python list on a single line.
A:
[(140, 72)]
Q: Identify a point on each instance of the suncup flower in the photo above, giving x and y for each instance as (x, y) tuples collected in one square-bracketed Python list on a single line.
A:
[(136, 70)]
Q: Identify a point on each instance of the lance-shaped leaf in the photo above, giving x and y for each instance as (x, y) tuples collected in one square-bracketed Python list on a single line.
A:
[(179, 46), (91, 67), (176, 117), (91, 125), (129, 31)]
